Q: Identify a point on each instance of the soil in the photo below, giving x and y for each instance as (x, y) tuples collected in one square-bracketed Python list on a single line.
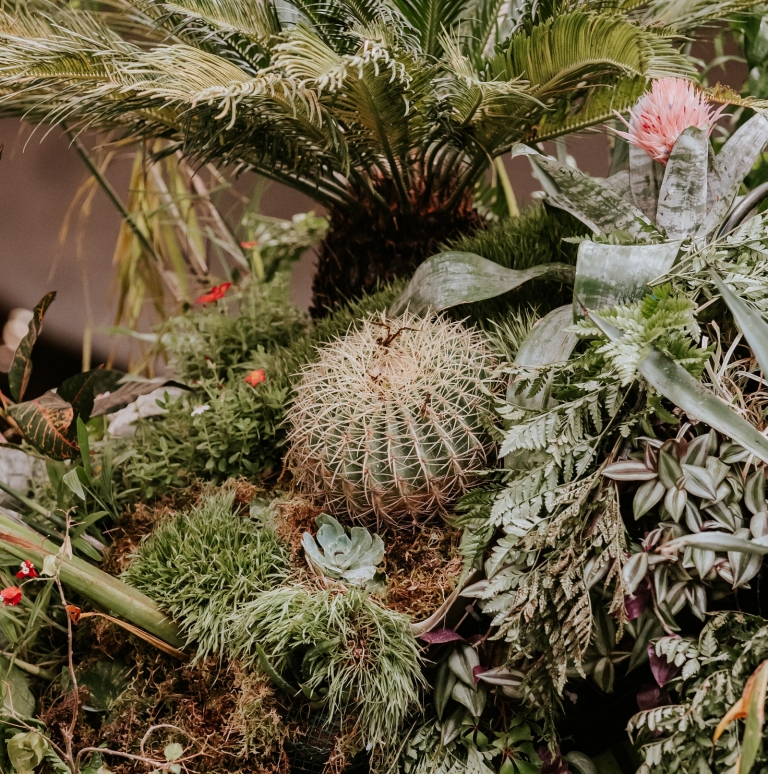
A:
[(225, 718)]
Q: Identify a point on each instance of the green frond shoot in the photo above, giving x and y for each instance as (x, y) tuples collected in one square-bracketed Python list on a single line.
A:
[(358, 658)]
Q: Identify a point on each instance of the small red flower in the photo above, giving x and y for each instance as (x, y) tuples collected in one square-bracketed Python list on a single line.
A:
[(215, 293), (256, 377), (11, 596), (248, 245), (27, 570)]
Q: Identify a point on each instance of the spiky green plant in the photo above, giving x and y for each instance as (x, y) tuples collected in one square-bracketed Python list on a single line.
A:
[(389, 425), (387, 113), (358, 658), (199, 566)]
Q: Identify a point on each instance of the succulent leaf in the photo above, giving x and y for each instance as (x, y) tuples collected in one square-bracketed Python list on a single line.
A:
[(732, 165), (683, 194), (352, 558), (645, 176)]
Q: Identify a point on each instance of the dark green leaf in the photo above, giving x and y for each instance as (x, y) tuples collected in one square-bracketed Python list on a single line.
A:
[(449, 279), (751, 322), (21, 367), (81, 390)]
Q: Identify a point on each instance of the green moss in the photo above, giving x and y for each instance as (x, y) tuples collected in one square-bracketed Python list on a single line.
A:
[(534, 238), (201, 565)]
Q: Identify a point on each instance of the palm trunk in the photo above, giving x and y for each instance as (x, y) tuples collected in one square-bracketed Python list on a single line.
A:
[(363, 251)]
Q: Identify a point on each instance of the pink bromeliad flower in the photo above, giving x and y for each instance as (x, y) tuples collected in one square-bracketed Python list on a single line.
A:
[(662, 114)]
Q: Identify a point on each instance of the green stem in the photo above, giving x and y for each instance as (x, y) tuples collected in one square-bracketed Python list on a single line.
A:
[(506, 186), (106, 186), (30, 669), (93, 584)]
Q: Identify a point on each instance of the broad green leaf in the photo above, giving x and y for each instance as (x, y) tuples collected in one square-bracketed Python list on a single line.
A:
[(26, 751), (718, 541), (173, 751), (677, 385), (81, 390), (18, 699), (21, 366), (588, 199), (104, 590), (46, 423), (751, 322), (451, 278), (607, 275), (85, 447), (445, 679), (550, 341), (644, 181), (581, 763), (731, 166), (472, 697), (462, 662), (72, 480), (683, 195)]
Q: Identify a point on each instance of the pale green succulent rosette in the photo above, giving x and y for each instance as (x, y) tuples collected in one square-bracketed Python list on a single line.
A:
[(351, 558)]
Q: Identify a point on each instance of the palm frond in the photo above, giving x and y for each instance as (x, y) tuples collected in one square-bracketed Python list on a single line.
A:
[(562, 52), (686, 15), (431, 19)]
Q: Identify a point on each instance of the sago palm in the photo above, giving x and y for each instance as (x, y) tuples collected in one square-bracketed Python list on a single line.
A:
[(387, 112)]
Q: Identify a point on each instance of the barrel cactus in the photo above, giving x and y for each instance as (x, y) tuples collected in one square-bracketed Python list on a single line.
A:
[(389, 425)]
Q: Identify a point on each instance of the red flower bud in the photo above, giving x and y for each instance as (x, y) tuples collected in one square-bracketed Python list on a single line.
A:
[(11, 596), (215, 293)]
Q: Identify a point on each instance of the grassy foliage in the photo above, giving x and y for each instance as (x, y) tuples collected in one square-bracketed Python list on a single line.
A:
[(201, 565), (534, 238), (241, 433), (343, 647), (242, 328)]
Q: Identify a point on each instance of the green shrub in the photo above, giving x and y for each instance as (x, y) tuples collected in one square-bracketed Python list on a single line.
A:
[(344, 648), (199, 566), (242, 431), (249, 322)]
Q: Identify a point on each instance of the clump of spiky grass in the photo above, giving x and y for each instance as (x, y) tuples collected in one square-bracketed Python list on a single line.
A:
[(389, 425), (200, 565), (359, 657)]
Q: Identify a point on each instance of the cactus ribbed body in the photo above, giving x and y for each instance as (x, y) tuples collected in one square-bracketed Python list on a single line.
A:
[(389, 425)]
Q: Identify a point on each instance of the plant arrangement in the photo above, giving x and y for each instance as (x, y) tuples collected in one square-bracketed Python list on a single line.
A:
[(488, 517)]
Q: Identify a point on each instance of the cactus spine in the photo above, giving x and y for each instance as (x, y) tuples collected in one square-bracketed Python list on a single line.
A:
[(389, 425)]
